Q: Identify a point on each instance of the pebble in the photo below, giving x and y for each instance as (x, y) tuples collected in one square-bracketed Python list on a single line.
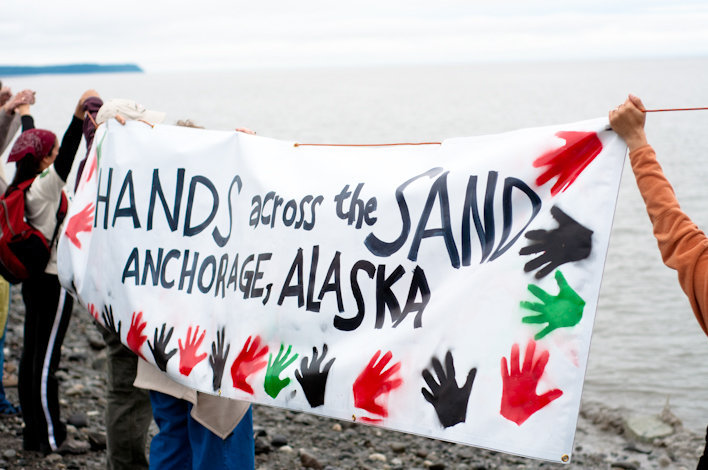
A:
[(74, 390), (9, 454), (310, 461), (286, 449), (398, 447), (78, 420), (53, 458), (378, 457), (336, 427)]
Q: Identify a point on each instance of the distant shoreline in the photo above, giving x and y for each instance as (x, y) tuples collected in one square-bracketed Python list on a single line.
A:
[(14, 70)]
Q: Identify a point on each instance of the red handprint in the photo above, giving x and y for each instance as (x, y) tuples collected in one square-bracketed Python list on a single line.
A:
[(249, 360), (519, 399), (373, 382), (136, 338), (92, 169), (93, 311), (568, 161), (188, 353), (80, 222)]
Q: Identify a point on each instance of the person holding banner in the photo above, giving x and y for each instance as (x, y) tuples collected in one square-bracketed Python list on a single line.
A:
[(683, 246), (47, 305), (196, 430)]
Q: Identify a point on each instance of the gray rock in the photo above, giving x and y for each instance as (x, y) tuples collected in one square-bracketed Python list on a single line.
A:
[(646, 428), (9, 454), (261, 446), (78, 420), (398, 447), (53, 458), (310, 461), (278, 440)]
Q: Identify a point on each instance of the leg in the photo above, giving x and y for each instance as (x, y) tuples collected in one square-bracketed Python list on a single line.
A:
[(128, 412), (169, 449), (236, 452), (48, 307)]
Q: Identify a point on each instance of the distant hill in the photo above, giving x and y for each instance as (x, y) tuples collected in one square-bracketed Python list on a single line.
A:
[(10, 70)]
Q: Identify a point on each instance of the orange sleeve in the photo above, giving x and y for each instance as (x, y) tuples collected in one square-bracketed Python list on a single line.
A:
[(683, 246)]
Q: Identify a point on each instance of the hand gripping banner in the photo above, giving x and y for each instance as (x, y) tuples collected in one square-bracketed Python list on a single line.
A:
[(444, 290)]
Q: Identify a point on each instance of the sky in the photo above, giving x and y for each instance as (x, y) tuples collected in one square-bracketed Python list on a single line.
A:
[(222, 35)]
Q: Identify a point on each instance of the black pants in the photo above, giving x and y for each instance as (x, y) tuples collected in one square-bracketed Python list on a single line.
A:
[(47, 313)]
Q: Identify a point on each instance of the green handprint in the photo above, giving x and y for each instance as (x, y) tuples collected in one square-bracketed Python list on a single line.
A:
[(273, 383), (562, 310)]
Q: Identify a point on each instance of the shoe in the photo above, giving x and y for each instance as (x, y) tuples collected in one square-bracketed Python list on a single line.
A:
[(7, 409), (72, 446)]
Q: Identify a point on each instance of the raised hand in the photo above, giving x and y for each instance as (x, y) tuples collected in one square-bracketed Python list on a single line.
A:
[(108, 320), (80, 222), (519, 399), (562, 310), (569, 242), (217, 358), (249, 360), (568, 161), (313, 380), (136, 338), (373, 382), (449, 400), (188, 357), (273, 383), (159, 348)]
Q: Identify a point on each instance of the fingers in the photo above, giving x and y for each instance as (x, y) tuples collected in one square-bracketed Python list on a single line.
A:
[(528, 356), (636, 102), (536, 263), (432, 383)]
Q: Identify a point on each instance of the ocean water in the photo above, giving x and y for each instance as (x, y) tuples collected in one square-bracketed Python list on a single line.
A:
[(647, 347)]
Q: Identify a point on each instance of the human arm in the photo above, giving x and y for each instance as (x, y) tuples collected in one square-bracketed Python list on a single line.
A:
[(683, 246), (72, 138)]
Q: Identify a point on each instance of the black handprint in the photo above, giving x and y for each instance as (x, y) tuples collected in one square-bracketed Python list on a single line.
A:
[(217, 359), (312, 380), (109, 321), (160, 347), (569, 242), (449, 400)]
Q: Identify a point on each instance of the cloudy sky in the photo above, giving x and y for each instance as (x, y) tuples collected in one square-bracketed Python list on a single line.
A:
[(221, 34)]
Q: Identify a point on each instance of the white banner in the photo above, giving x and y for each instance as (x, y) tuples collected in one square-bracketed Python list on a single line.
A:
[(447, 290)]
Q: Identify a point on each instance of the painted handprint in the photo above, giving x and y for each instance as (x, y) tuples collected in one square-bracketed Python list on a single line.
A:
[(249, 360), (559, 311), (568, 161), (569, 242), (109, 321), (188, 357), (313, 380), (519, 399), (93, 311), (449, 400), (374, 382), (159, 348), (273, 383), (80, 222), (136, 338), (217, 358)]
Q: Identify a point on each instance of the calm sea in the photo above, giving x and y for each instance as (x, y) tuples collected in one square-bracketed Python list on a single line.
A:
[(647, 347)]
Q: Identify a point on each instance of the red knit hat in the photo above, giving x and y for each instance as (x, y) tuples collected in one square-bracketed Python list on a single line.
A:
[(37, 142)]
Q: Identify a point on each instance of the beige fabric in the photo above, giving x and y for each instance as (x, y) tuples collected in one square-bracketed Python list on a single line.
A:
[(220, 415)]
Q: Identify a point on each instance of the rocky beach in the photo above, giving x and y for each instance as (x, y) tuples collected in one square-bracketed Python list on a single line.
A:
[(605, 438)]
